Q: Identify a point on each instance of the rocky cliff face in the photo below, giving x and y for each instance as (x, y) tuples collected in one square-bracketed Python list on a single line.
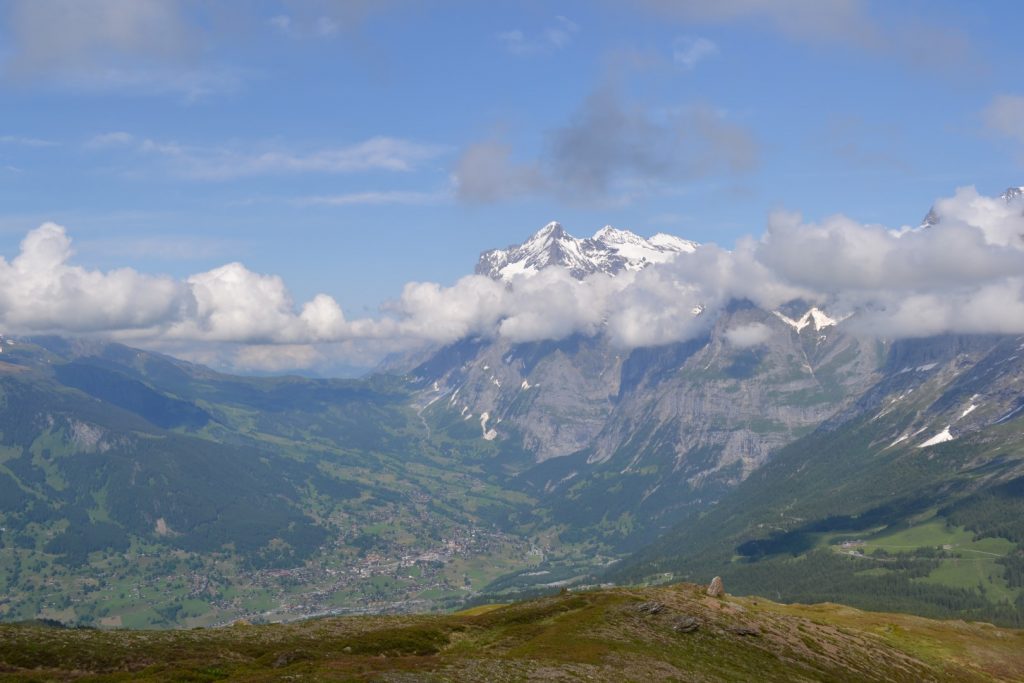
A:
[(620, 433), (731, 402), (704, 413), (555, 396)]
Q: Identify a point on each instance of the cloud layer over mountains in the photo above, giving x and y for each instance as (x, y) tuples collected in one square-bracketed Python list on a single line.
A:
[(963, 274)]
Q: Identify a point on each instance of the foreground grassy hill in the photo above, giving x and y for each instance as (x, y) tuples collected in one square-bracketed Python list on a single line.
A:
[(665, 633)]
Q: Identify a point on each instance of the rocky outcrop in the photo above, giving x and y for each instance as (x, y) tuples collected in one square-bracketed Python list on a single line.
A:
[(685, 624), (652, 607), (716, 588)]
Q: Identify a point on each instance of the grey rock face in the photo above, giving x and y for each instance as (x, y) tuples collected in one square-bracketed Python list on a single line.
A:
[(716, 588), (682, 423), (726, 408), (686, 421), (556, 396)]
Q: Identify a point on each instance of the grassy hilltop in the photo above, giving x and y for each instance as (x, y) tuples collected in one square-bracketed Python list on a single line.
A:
[(665, 633)]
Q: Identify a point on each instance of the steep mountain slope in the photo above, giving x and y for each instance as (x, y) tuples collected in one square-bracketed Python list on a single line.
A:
[(620, 442), (677, 633), (911, 497)]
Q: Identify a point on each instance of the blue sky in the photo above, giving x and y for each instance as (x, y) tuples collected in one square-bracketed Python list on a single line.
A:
[(350, 147)]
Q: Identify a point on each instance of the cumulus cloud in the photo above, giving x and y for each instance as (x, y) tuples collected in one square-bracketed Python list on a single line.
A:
[(553, 37), (963, 275), (746, 336), (609, 145), (40, 291), (687, 51)]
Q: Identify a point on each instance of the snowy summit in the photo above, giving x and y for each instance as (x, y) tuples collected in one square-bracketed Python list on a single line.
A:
[(610, 251)]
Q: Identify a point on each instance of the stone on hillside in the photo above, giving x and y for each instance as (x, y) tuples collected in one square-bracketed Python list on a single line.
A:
[(745, 631), (716, 588), (650, 607), (685, 625)]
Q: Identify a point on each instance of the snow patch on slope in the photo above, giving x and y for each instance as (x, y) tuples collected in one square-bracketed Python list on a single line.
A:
[(816, 318), (941, 437), (489, 434)]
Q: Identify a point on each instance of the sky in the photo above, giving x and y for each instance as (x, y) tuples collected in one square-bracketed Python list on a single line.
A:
[(311, 158)]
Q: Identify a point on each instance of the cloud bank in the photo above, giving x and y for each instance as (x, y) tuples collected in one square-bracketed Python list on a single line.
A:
[(965, 274)]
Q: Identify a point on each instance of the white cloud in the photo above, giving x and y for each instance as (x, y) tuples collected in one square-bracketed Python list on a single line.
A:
[(746, 336), (195, 162), (553, 37), (688, 52), (40, 291), (964, 275)]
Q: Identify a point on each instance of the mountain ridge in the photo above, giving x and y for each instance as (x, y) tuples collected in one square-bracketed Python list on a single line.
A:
[(608, 251)]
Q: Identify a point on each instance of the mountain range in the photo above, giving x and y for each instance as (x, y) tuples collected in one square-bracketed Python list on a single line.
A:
[(784, 449)]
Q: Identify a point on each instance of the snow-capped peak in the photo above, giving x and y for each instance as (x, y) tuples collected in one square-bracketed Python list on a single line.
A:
[(673, 243), (610, 235), (553, 230), (815, 317), (610, 250)]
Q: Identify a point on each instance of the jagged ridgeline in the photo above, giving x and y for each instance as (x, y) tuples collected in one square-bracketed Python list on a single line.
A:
[(780, 449)]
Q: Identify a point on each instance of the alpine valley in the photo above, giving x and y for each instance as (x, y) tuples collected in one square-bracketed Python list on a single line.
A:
[(783, 449)]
